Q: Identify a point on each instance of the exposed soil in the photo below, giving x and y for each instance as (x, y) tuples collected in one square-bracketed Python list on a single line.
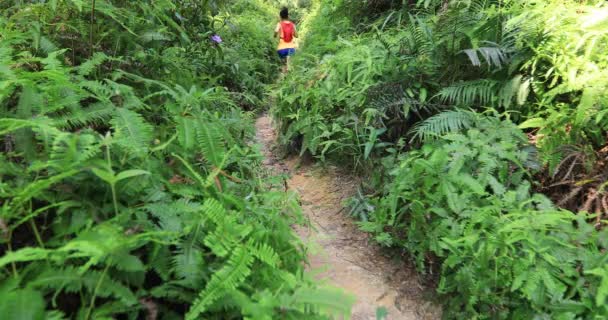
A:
[(339, 253)]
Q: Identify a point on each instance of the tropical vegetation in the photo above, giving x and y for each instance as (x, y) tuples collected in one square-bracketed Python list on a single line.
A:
[(130, 187), (481, 128)]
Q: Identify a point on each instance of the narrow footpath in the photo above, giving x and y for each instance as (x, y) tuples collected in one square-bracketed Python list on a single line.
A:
[(339, 253)]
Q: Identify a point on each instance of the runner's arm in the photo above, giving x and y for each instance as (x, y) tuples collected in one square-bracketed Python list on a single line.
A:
[(277, 30)]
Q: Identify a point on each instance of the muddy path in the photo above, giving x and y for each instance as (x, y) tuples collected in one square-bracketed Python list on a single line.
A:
[(339, 253)]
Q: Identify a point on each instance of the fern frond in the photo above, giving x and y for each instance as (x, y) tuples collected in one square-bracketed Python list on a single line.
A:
[(325, 301), (100, 90), (188, 265), (160, 261), (172, 291), (127, 262), (34, 189), (45, 124), (96, 114), (467, 93), (153, 35), (22, 304), (493, 56), (72, 150), (228, 278), (166, 217), (186, 132), (442, 123), (30, 101), (228, 232), (108, 287), (131, 130), (214, 211), (264, 253), (58, 279), (90, 65), (24, 255), (211, 142)]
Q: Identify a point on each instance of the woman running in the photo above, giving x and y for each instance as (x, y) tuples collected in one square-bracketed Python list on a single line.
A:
[(286, 31)]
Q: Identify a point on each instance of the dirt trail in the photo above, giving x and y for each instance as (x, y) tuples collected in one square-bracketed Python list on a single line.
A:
[(341, 253)]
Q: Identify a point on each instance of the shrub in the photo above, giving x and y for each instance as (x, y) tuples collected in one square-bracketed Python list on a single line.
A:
[(463, 201), (128, 187)]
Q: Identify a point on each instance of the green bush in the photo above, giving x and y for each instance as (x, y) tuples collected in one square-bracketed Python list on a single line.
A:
[(379, 85), (463, 202), (128, 185), (542, 63)]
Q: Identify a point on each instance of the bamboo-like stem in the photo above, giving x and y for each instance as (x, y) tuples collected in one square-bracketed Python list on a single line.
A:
[(112, 185), (10, 249), (35, 229), (99, 282), (91, 31)]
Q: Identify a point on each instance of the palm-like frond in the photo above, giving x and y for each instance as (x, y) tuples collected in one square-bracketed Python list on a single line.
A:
[(467, 93), (487, 92), (442, 123), (228, 278), (494, 56), (131, 130), (211, 142), (96, 114), (72, 150)]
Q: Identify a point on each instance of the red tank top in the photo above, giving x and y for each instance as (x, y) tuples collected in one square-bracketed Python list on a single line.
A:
[(287, 28)]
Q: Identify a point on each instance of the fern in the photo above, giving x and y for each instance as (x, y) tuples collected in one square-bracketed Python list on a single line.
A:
[(109, 287), (467, 93), (211, 143), (188, 265), (264, 253), (72, 151), (87, 67), (186, 130), (322, 301), (228, 278), (131, 131), (441, 124), (97, 115), (22, 305), (493, 56), (34, 189), (24, 255)]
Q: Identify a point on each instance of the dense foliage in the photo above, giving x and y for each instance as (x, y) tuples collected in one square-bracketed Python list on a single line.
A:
[(429, 99), (465, 200), (128, 184)]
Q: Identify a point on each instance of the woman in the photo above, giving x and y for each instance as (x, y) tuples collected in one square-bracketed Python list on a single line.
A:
[(286, 31)]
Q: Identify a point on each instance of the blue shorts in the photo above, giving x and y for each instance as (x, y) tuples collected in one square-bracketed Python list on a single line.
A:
[(284, 53)]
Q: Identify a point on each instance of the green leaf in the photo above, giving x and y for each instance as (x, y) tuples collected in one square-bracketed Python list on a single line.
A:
[(25, 304), (211, 142), (78, 4), (130, 173), (381, 313), (37, 187), (423, 94), (224, 280), (131, 130), (24, 255), (105, 175), (532, 123), (186, 132), (602, 290), (472, 183)]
